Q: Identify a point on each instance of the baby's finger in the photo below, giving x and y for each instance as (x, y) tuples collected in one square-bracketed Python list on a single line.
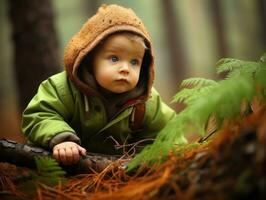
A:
[(75, 153), (62, 156), (56, 154), (82, 150), (69, 156)]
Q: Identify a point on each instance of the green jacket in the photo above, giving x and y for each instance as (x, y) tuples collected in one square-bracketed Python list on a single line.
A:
[(60, 112)]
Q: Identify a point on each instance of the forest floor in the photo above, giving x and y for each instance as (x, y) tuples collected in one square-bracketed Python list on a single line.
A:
[(229, 166)]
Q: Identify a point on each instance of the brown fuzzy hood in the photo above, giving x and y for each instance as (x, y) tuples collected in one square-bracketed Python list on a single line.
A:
[(108, 20)]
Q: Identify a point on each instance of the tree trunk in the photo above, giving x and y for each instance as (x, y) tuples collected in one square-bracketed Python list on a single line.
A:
[(35, 45), (218, 24), (176, 47), (177, 58), (262, 18)]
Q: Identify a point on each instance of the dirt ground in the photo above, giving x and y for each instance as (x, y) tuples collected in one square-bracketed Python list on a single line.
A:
[(229, 166)]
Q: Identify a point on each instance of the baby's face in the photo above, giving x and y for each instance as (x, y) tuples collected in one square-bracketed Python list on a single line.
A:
[(117, 63)]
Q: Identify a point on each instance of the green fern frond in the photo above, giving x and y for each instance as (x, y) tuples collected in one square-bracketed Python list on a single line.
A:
[(260, 75), (197, 82), (48, 170), (184, 95), (221, 99), (235, 67), (228, 64), (188, 96), (48, 167), (199, 86)]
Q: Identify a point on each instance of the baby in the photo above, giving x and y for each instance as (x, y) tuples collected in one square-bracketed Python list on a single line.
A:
[(104, 99)]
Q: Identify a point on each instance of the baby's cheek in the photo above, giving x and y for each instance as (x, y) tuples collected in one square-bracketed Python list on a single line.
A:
[(105, 73), (136, 74), (108, 75)]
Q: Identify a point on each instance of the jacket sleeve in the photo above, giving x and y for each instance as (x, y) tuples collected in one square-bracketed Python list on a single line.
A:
[(47, 113), (157, 115)]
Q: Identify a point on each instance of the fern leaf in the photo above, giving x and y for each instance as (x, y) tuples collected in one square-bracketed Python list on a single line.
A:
[(235, 67), (183, 95), (228, 64), (188, 96), (48, 170), (47, 166), (197, 82)]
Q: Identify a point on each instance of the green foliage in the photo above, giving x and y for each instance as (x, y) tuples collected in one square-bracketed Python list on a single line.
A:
[(197, 82), (197, 88), (204, 98), (48, 170)]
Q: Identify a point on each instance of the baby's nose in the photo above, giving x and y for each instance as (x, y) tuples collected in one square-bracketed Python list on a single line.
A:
[(124, 68)]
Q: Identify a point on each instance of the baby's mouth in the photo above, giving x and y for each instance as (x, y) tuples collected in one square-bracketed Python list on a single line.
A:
[(122, 80)]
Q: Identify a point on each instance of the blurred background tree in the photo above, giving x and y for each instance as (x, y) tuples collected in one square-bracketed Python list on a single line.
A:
[(35, 45), (189, 36)]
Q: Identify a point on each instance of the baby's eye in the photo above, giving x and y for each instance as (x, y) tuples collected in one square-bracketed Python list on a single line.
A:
[(134, 62), (114, 58)]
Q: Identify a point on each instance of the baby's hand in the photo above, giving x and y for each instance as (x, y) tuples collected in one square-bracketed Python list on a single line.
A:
[(68, 153)]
